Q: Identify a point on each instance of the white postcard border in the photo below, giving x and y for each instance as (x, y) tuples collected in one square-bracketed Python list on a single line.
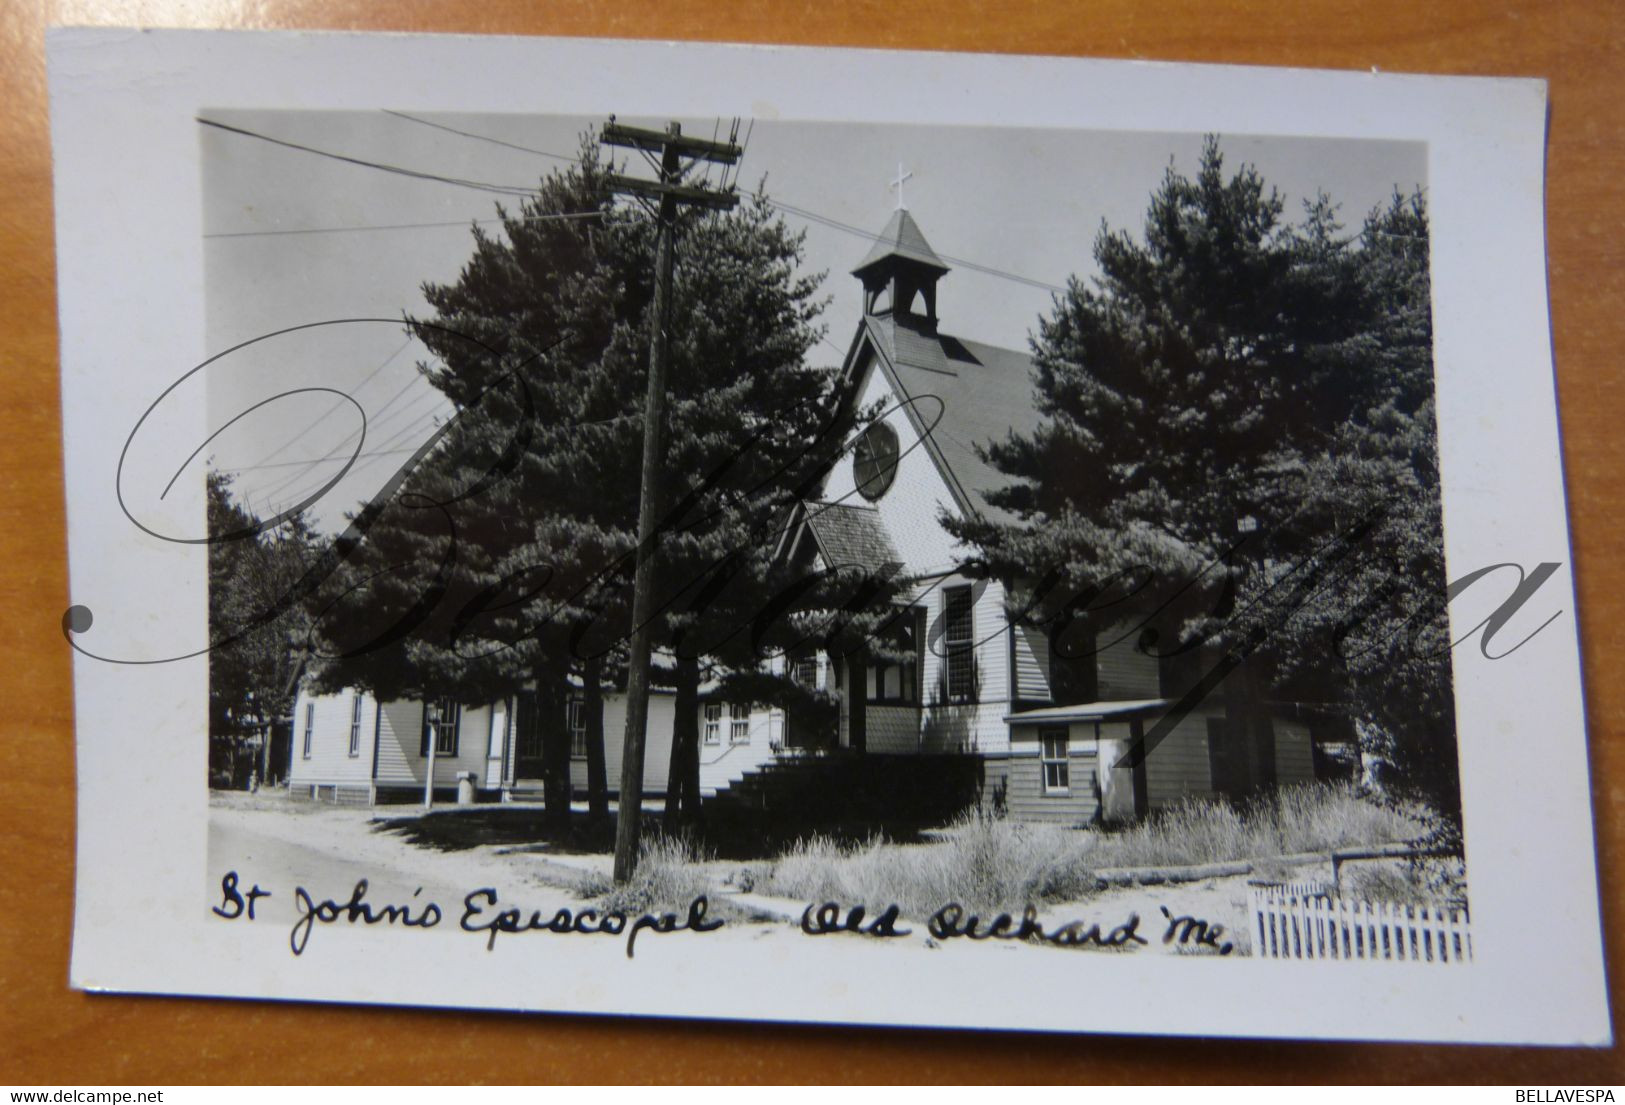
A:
[(130, 263)]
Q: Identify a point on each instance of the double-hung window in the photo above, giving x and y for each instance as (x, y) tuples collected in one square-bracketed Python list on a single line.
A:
[(738, 722), (355, 724), (713, 723), (439, 726), (578, 728), (310, 726), (1052, 752)]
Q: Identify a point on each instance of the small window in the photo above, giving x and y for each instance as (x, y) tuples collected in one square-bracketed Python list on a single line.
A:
[(805, 671), (1057, 771), (310, 726), (440, 726), (578, 728), (959, 643), (355, 724), (713, 723), (739, 723)]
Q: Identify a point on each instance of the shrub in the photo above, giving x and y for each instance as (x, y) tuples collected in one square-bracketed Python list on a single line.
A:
[(988, 864), (1312, 817), (669, 876), (985, 864), (1421, 881)]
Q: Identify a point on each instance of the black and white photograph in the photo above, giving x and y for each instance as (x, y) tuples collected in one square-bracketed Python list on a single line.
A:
[(1089, 568), (771, 563)]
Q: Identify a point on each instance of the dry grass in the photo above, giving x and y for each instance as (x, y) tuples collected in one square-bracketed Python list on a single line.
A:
[(1306, 818), (988, 864), (1407, 882), (993, 864), (670, 875)]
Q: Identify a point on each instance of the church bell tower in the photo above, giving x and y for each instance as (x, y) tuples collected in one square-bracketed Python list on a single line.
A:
[(900, 275)]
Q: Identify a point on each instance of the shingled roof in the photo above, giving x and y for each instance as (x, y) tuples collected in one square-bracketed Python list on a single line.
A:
[(902, 238), (851, 535), (985, 391)]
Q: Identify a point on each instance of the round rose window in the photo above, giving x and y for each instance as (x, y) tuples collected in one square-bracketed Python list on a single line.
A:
[(874, 461)]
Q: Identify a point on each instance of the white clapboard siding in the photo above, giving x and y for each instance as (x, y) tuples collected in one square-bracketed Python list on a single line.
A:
[(725, 762), (1179, 767), (327, 759), (1300, 921), (1125, 671), (1032, 664)]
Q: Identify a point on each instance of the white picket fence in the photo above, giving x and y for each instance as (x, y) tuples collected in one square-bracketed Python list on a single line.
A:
[(1309, 921)]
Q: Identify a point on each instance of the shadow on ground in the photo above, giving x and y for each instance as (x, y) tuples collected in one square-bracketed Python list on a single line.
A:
[(457, 830), (525, 829)]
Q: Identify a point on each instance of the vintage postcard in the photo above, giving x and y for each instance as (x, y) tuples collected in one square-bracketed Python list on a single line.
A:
[(813, 535)]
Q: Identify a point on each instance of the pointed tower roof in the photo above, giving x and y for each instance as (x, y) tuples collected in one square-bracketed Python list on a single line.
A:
[(902, 239)]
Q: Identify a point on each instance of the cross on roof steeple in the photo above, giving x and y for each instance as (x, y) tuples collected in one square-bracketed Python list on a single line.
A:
[(898, 184)]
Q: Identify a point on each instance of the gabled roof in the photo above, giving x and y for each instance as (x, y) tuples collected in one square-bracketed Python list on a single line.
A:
[(848, 534), (984, 392), (902, 238)]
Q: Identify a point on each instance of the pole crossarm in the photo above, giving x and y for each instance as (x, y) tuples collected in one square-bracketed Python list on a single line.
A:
[(655, 189), (659, 141)]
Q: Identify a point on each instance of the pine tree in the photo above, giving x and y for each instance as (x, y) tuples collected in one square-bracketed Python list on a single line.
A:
[(521, 521), (1237, 444), (256, 629), (1384, 621)]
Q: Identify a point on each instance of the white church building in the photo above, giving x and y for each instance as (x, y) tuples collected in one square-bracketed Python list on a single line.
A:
[(1049, 735)]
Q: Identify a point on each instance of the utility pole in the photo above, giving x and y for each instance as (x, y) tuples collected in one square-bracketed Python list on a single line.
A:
[(671, 148)]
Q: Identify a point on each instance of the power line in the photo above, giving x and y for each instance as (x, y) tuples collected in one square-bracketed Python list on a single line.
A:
[(336, 453), (399, 170), (836, 224), (715, 127), (481, 137), (307, 462), (744, 148), (338, 450), (375, 424), (406, 226), (502, 189), (261, 463), (391, 401)]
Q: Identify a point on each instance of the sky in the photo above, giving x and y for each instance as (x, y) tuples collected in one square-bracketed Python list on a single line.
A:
[(294, 238)]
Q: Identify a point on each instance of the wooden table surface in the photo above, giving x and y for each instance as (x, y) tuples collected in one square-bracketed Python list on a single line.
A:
[(52, 1035)]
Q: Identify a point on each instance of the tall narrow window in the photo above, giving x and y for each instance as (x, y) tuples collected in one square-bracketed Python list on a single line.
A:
[(355, 724), (310, 725), (440, 726), (738, 723), (1057, 771), (578, 728), (713, 723), (959, 644)]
